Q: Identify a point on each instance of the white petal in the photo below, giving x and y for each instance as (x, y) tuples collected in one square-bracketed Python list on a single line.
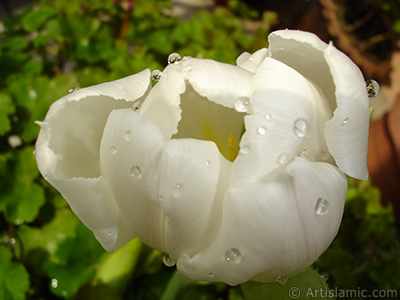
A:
[(89, 198), (251, 62), (129, 153), (67, 153), (194, 177), (218, 82), (271, 230), (303, 51), (270, 141), (343, 85), (347, 132), (162, 104)]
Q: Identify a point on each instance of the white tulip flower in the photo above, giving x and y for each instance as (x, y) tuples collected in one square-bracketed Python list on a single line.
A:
[(170, 164)]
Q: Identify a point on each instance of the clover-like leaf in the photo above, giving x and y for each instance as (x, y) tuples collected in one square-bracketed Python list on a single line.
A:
[(14, 280), (21, 197)]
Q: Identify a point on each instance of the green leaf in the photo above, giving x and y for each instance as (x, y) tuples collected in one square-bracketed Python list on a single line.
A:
[(14, 280), (306, 285), (21, 198), (75, 262), (6, 108), (116, 268), (175, 286), (34, 19), (33, 97), (90, 291)]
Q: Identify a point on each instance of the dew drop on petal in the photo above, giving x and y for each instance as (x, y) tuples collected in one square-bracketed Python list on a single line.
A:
[(346, 121), (268, 116), (54, 283), (372, 88), (156, 75), (245, 149), (136, 105), (136, 172), (208, 163), (324, 154), (113, 150), (128, 136), (261, 130), (210, 275), (174, 58), (233, 255), (321, 207), (177, 191), (168, 261), (242, 104), (70, 90), (282, 279), (283, 158), (301, 127), (251, 58)]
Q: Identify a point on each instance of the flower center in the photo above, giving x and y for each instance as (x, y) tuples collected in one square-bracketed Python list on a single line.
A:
[(206, 120)]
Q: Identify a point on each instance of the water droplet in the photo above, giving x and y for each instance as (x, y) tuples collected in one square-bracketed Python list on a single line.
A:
[(245, 149), (54, 283), (136, 105), (283, 158), (136, 172), (109, 233), (168, 261), (324, 154), (128, 136), (177, 191), (346, 121), (210, 275), (208, 163), (324, 276), (113, 150), (321, 207), (301, 127), (189, 68), (12, 241), (262, 130), (282, 279), (242, 104), (77, 88), (174, 58), (372, 88), (32, 94), (233, 255), (70, 90), (156, 75), (251, 58), (268, 116)]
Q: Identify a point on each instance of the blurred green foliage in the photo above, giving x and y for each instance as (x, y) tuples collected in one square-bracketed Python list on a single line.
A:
[(45, 251)]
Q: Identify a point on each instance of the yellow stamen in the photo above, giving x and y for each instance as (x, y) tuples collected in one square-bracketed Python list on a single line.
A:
[(233, 151)]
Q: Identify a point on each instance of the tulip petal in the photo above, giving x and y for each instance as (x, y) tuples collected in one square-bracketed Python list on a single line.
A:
[(347, 132), (343, 85), (67, 153), (251, 62), (129, 154), (270, 141), (272, 226), (194, 178)]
